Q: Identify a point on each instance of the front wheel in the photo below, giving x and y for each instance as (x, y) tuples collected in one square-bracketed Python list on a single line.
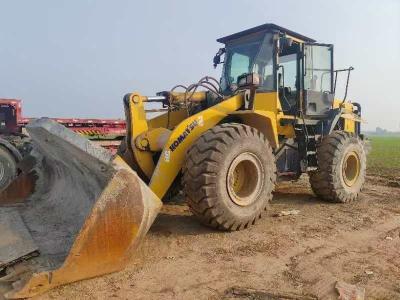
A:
[(341, 168), (228, 176)]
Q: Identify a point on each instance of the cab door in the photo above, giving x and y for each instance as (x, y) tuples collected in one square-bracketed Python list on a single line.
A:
[(317, 79)]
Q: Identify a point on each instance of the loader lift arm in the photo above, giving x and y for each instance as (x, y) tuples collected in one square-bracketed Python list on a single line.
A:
[(175, 141)]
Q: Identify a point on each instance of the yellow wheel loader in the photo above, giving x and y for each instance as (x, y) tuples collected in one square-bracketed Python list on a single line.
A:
[(77, 212)]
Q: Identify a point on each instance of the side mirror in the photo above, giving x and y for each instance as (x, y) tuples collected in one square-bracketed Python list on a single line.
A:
[(216, 60), (217, 57)]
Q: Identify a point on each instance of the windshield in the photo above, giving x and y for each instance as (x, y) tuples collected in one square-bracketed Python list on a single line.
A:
[(249, 55)]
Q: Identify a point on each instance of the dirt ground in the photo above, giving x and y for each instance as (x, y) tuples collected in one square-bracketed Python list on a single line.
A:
[(300, 256)]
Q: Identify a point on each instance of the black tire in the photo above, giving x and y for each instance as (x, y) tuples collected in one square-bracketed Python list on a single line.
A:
[(341, 168), (8, 168), (217, 157)]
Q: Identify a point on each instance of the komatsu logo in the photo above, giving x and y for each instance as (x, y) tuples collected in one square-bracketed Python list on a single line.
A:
[(184, 134)]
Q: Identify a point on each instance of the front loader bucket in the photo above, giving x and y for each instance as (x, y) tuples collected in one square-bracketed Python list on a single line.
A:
[(86, 216)]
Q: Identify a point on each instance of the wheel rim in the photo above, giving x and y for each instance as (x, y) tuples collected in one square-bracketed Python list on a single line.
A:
[(245, 179), (351, 168)]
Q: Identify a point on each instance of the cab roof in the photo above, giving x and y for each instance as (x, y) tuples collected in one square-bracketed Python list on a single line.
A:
[(266, 28)]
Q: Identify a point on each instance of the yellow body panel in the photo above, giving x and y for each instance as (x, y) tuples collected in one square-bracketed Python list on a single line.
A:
[(349, 125), (182, 137), (264, 121), (337, 103), (287, 130), (267, 102), (266, 116), (168, 120), (153, 140), (349, 118)]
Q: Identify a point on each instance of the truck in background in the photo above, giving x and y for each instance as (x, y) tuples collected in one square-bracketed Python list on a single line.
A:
[(15, 143)]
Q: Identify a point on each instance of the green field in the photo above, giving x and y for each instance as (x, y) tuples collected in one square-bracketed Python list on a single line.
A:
[(384, 157)]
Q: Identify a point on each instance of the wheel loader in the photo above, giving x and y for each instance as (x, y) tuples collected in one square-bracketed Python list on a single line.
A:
[(273, 115)]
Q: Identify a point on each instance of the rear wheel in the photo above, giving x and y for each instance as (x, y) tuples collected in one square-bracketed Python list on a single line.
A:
[(341, 171), (228, 176)]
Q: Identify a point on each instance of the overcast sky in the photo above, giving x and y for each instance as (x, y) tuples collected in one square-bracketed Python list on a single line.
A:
[(78, 58)]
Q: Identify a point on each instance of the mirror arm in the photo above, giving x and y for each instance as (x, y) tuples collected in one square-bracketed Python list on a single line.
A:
[(217, 57)]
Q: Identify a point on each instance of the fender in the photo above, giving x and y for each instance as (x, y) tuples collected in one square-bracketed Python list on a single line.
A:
[(264, 121), (266, 116), (345, 111)]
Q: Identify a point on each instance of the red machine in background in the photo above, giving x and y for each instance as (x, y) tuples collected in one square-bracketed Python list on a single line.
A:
[(15, 143)]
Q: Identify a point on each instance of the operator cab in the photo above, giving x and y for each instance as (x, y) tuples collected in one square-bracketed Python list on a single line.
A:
[(9, 113), (271, 58)]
